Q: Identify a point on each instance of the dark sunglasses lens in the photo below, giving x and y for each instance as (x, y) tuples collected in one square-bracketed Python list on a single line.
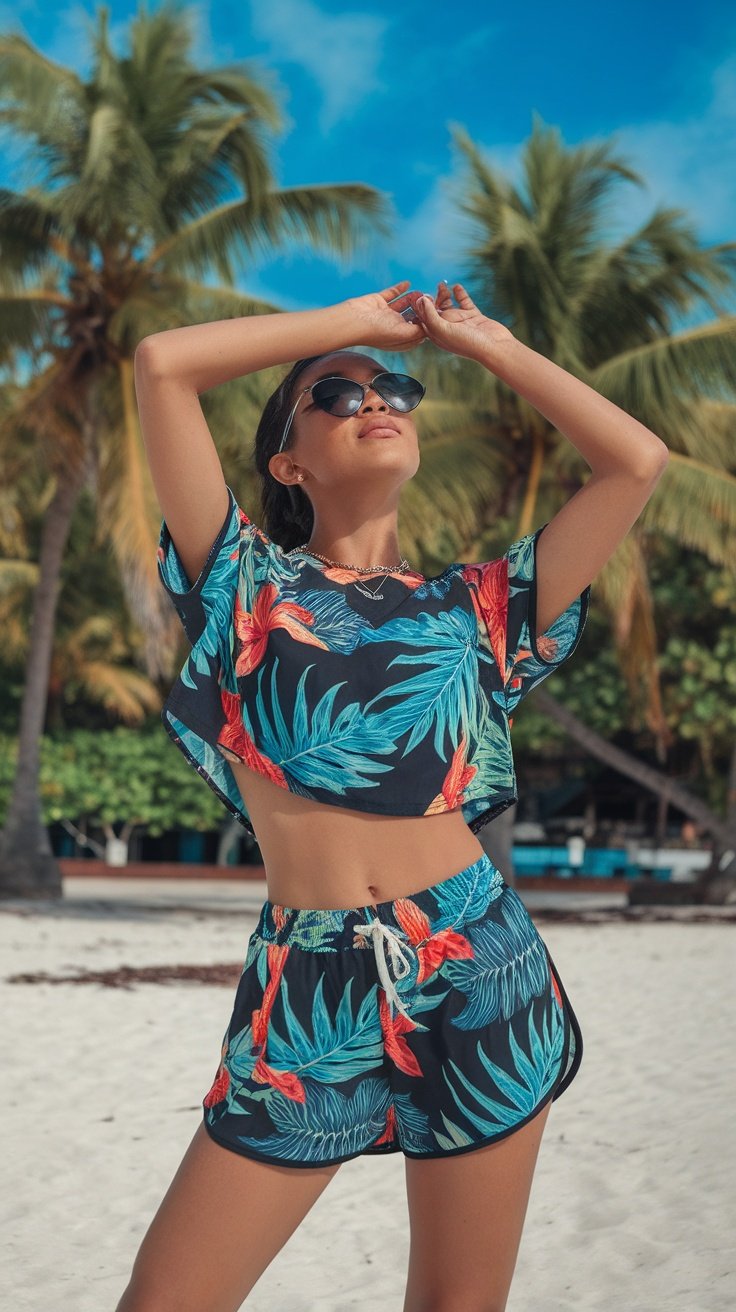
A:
[(401, 391), (338, 396)]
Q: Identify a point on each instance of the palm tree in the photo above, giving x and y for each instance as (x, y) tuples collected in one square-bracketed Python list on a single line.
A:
[(605, 312), (154, 175)]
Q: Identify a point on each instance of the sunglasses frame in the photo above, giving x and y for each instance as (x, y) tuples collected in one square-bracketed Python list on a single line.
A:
[(364, 388)]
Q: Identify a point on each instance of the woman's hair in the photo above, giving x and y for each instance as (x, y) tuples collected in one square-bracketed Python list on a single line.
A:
[(286, 511)]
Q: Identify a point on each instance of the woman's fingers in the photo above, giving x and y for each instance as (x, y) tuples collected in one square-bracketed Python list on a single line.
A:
[(462, 297), (444, 295), (427, 306), (393, 293)]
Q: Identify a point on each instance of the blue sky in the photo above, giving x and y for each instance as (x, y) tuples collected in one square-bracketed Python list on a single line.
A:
[(368, 92)]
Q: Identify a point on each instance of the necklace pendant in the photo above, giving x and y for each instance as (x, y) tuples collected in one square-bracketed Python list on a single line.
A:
[(374, 596)]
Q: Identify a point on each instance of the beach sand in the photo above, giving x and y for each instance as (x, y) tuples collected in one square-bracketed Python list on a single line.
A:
[(633, 1199)]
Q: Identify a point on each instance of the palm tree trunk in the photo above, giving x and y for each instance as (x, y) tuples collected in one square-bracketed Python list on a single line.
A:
[(718, 882), (731, 795), (28, 867)]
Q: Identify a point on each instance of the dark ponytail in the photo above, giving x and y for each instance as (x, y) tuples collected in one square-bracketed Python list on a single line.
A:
[(286, 511)]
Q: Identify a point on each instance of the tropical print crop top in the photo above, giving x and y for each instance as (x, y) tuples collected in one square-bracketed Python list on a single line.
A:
[(401, 706)]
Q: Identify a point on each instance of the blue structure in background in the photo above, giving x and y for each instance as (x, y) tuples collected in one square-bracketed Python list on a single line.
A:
[(603, 862)]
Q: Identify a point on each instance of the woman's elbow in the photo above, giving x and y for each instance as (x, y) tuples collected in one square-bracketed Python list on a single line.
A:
[(149, 357)]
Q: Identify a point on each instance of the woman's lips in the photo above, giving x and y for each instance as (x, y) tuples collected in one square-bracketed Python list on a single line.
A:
[(387, 427)]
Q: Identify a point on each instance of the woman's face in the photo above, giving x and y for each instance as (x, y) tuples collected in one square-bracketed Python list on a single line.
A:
[(333, 451)]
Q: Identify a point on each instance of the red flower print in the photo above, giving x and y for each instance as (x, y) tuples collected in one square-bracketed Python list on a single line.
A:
[(455, 782), (394, 1028), (389, 1134), (221, 1082), (276, 955), (547, 647), (285, 1081), (343, 576), (219, 1088), (490, 594), (233, 738), (253, 627), (280, 916), (431, 949)]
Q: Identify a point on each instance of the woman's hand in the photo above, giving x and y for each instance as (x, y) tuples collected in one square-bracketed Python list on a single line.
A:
[(459, 328), (380, 324)]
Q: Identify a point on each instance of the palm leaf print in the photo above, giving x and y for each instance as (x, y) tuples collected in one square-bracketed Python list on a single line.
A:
[(338, 626), (437, 587), (206, 759), (537, 1071), (491, 755), (478, 900), (339, 1050), (414, 1122), (510, 966), (208, 645), (312, 749), (327, 1125), (314, 929), (446, 691)]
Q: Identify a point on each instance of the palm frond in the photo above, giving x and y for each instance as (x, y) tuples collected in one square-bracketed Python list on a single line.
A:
[(628, 292), (27, 319), (35, 84), (335, 217), (235, 84), (174, 302), (695, 505), (218, 145), (657, 380), (27, 224)]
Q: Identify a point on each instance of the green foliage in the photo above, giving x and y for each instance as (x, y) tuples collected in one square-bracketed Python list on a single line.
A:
[(116, 777)]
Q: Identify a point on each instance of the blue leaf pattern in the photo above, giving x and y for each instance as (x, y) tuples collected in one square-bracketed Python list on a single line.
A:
[(316, 750), (339, 1050), (508, 968), (536, 1065), (303, 678), (342, 1073), (329, 1126)]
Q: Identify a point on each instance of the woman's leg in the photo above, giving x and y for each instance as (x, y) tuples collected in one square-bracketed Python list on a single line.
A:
[(222, 1220), (466, 1216)]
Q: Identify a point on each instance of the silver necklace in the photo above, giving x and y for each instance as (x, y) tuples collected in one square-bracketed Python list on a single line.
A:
[(403, 568)]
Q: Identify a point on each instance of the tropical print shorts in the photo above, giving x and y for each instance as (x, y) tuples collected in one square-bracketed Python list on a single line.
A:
[(431, 1024)]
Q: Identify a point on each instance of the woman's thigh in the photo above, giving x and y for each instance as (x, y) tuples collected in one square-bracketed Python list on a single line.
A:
[(221, 1222), (466, 1215)]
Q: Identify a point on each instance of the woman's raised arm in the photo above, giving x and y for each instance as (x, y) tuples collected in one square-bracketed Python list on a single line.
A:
[(173, 367)]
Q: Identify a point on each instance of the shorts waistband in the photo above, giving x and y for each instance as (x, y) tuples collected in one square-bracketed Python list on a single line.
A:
[(462, 897)]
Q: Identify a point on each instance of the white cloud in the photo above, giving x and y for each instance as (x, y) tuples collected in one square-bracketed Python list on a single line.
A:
[(437, 235), (685, 163), (688, 162), (341, 52)]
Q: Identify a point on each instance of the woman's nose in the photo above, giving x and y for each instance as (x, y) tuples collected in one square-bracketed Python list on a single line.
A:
[(370, 398)]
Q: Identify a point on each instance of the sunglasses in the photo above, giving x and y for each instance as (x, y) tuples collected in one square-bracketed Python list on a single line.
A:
[(343, 396)]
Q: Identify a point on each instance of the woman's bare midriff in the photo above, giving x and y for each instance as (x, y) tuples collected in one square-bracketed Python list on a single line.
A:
[(319, 856)]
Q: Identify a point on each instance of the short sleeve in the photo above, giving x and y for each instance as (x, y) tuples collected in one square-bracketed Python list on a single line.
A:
[(505, 596), (531, 656), (213, 592)]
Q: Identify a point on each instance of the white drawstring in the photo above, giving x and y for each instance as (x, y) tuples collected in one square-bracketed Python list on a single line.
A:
[(400, 959)]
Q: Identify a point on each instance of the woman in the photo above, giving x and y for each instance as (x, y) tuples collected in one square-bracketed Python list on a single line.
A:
[(395, 995)]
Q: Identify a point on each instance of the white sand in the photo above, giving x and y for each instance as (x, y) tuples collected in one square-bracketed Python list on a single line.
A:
[(633, 1201)]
